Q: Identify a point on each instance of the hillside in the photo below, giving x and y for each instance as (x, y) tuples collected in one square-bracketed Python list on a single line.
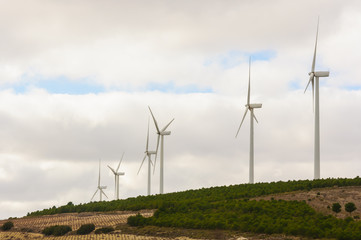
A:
[(322, 199), (279, 209)]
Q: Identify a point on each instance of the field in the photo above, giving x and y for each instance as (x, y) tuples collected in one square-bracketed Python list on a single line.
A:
[(75, 220), (22, 226), (116, 236)]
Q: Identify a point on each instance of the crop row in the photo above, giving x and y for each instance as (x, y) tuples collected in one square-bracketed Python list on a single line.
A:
[(33, 236), (75, 220)]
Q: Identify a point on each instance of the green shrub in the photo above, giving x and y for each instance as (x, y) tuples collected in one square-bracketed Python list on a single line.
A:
[(57, 230), (7, 226), (61, 230), (336, 207), (48, 230), (138, 220), (85, 229), (104, 230), (350, 207)]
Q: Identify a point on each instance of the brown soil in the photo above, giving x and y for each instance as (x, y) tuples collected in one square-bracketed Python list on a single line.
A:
[(74, 220), (322, 199)]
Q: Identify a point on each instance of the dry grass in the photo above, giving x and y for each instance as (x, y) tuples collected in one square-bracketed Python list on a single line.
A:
[(75, 220), (320, 199)]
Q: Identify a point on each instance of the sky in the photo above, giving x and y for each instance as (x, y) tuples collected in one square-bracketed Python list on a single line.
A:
[(77, 77)]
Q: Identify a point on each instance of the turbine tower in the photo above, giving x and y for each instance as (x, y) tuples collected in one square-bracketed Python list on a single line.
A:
[(161, 134), (314, 79), (116, 175), (99, 188), (149, 154), (250, 107)]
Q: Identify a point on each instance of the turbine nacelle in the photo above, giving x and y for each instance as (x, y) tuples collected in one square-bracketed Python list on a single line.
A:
[(102, 187), (165, 133), (254, 105), (120, 173), (151, 152), (322, 74)]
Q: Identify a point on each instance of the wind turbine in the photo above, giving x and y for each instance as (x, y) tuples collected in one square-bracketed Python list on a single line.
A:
[(250, 107), (99, 188), (149, 154), (314, 79), (116, 175), (161, 134)]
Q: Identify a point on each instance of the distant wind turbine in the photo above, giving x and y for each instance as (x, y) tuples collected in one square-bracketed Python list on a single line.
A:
[(314, 79), (116, 175), (250, 107), (149, 155), (161, 134), (99, 188)]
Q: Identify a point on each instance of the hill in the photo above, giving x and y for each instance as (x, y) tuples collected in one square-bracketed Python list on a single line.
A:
[(293, 208)]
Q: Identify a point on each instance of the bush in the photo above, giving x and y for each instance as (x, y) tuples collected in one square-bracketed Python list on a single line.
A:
[(85, 229), (7, 226), (57, 230), (350, 207), (104, 230), (336, 207), (137, 220)]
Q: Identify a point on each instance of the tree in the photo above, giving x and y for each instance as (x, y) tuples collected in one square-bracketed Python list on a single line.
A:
[(336, 207), (350, 207), (85, 229), (7, 226), (57, 230)]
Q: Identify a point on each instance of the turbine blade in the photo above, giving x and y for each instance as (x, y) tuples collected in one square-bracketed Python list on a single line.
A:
[(167, 125), (121, 159), (309, 81), (155, 121), (249, 82), (94, 194), (146, 146), (254, 116), (101, 191), (156, 153), (112, 169), (245, 113), (142, 163), (314, 54)]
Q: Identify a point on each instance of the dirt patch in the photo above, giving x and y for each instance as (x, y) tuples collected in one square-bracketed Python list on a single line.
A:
[(322, 199)]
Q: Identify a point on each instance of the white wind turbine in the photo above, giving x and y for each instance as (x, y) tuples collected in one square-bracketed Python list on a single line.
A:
[(161, 134), (314, 79), (250, 107), (149, 155), (99, 188), (116, 175)]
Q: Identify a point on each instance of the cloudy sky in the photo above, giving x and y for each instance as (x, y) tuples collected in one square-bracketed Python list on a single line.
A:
[(76, 79)]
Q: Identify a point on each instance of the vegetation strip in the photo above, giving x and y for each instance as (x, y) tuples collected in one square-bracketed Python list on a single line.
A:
[(229, 208)]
